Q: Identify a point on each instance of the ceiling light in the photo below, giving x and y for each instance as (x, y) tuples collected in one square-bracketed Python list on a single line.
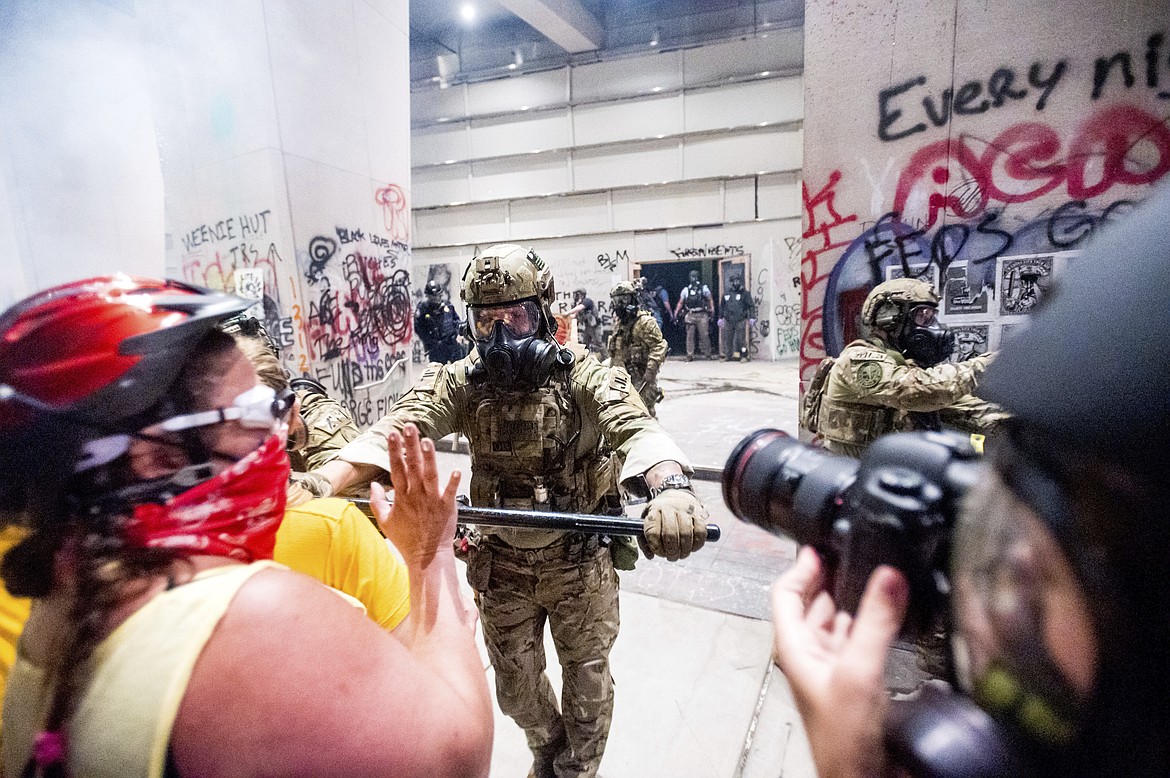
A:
[(517, 59), (656, 89), (511, 66), (467, 12), (765, 73), (523, 108), (449, 162), (654, 39)]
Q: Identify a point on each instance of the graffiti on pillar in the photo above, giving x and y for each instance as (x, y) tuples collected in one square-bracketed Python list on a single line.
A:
[(824, 231), (357, 317), (395, 211)]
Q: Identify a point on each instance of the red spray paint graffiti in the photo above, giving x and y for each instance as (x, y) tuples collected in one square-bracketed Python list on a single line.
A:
[(1118, 145), (818, 239), (395, 212)]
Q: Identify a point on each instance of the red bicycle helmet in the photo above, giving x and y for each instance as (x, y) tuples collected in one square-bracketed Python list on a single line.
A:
[(104, 348)]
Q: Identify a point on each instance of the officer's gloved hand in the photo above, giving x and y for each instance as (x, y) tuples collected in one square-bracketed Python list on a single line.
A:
[(315, 484), (673, 525)]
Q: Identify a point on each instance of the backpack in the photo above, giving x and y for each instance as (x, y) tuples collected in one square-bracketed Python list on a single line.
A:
[(810, 404)]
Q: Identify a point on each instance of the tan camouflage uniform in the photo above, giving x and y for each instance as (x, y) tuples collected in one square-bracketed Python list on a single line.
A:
[(553, 441), (329, 426), (873, 390), (639, 347)]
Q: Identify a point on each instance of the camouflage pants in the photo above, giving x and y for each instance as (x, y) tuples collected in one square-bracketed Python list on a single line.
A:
[(579, 600), (697, 324)]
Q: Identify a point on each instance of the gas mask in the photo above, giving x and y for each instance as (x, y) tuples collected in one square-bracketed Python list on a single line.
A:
[(923, 337), (625, 307), (512, 351)]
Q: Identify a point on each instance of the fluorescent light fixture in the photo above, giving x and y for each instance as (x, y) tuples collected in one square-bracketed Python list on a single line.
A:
[(467, 12)]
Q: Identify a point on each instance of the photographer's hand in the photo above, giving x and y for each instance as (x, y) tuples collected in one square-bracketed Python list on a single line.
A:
[(835, 663)]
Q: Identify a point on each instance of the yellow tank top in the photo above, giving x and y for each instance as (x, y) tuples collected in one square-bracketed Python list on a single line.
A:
[(122, 726)]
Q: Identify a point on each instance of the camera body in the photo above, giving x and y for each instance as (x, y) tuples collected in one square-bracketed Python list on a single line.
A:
[(895, 506)]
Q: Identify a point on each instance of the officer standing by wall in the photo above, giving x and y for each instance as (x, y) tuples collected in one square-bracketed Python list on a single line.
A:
[(697, 300), (899, 380), (437, 325), (737, 308), (636, 343), (588, 323), (549, 428)]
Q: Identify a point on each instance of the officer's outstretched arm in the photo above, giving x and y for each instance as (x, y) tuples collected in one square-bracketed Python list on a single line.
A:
[(911, 388)]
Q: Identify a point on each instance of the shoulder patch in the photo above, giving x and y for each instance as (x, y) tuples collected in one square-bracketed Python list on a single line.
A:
[(869, 375), (617, 385)]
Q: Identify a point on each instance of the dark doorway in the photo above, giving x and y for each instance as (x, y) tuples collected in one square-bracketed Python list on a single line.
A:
[(673, 276)]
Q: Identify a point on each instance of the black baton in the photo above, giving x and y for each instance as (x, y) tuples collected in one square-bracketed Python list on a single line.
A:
[(564, 522)]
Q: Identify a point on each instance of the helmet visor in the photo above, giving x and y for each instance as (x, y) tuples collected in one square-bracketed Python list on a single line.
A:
[(521, 319)]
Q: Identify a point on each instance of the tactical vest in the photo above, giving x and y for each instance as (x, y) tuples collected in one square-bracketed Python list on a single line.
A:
[(696, 300), (523, 457), (437, 322), (855, 424)]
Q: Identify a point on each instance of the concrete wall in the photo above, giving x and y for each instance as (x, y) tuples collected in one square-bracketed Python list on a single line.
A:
[(978, 144), (81, 192), (285, 140), (685, 154)]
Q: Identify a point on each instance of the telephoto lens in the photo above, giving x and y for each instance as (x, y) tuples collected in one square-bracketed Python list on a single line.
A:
[(896, 506), (779, 484)]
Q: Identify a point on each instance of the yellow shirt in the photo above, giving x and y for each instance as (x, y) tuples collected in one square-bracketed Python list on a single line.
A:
[(13, 610), (122, 724), (335, 543)]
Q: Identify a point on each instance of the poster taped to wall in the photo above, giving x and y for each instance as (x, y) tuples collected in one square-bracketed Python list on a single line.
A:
[(1021, 283)]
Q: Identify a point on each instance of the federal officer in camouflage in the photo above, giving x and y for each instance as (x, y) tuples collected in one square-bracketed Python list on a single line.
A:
[(898, 379), (549, 428), (636, 343)]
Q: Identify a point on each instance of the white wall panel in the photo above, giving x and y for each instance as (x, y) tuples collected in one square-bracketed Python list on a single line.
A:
[(635, 163), (629, 76), (431, 104), (741, 155), (739, 199), (779, 197), (520, 134), (779, 51), (531, 90), (438, 143), (741, 105), (568, 215), (441, 185), (628, 120), (530, 176), (698, 203), (481, 222)]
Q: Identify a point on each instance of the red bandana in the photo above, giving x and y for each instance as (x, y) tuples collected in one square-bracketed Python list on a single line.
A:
[(235, 514)]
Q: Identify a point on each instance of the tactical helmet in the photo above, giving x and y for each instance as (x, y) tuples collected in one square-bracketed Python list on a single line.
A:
[(623, 287), (888, 302), (105, 348), (507, 273), (432, 289)]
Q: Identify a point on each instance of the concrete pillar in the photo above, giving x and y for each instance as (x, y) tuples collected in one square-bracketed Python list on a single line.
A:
[(976, 144), (284, 133)]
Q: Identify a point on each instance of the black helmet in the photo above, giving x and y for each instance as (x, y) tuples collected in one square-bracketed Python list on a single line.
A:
[(1089, 452), (433, 289)]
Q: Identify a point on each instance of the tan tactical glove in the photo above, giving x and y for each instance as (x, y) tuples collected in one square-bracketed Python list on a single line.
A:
[(315, 484), (673, 525)]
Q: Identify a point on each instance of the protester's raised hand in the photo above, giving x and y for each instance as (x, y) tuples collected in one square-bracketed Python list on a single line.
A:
[(835, 663), (421, 521)]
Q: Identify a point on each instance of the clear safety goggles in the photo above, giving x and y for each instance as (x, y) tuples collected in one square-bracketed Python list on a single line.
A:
[(520, 319), (261, 407), (924, 315)]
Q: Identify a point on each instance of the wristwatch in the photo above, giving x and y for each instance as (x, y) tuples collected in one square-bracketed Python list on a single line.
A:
[(672, 481)]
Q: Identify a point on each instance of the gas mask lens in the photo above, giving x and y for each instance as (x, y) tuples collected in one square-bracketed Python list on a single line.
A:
[(924, 315), (521, 320), (1023, 642)]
